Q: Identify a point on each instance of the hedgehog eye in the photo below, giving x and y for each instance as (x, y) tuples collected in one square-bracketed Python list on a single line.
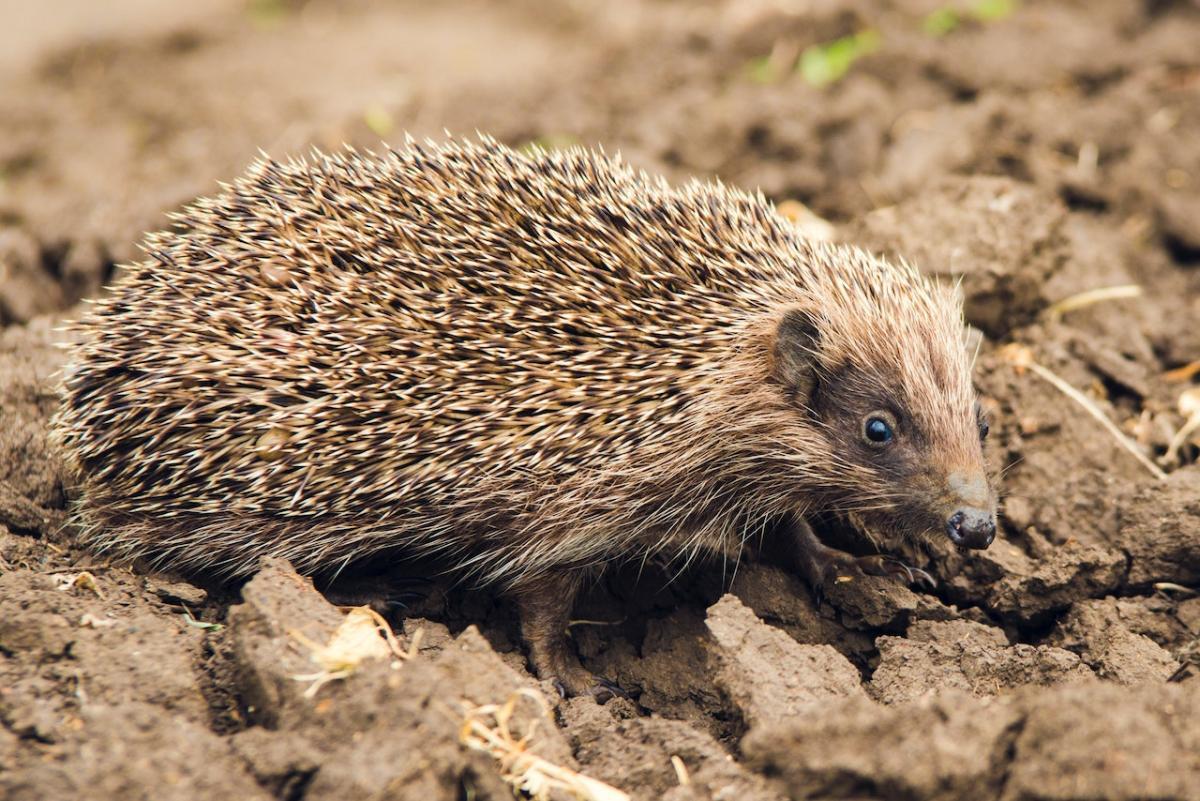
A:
[(879, 429), (984, 428)]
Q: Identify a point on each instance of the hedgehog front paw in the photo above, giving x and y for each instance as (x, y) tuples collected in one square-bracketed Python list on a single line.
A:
[(823, 566), (826, 566)]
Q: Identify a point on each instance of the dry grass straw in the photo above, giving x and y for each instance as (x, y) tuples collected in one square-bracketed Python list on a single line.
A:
[(487, 728), (1189, 407), (1090, 297), (362, 635), (1185, 373), (681, 771), (1021, 357)]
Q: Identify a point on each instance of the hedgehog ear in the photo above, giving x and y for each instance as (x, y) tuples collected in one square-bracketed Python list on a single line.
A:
[(794, 352)]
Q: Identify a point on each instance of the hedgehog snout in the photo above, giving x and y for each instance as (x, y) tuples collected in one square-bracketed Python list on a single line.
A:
[(973, 523), (972, 528)]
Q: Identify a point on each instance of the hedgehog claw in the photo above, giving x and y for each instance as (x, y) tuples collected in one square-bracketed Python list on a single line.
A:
[(883, 565), (604, 691), (818, 596)]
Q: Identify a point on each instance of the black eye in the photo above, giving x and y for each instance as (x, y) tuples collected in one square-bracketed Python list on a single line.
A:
[(878, 431), (981, 420)]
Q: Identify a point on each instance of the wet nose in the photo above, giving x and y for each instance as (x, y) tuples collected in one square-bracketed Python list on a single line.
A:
[(971, 528)]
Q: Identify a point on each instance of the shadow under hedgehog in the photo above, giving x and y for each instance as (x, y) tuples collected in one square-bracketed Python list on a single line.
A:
[(529, 365)]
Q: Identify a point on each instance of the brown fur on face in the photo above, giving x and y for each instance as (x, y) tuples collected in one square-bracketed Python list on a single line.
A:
[(933, 466)]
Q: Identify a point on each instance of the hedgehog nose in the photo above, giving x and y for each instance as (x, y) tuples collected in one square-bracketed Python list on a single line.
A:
[(971, 528)]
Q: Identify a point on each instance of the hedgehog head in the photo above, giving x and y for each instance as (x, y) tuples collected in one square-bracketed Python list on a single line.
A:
[(878, 375)]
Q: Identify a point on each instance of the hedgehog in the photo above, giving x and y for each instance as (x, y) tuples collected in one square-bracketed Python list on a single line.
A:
[(528, 364)]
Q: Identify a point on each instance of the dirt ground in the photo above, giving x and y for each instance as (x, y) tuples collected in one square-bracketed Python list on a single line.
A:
[(1035, 151)]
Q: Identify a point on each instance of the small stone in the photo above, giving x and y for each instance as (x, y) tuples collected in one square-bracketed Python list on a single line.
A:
[(177, 592)]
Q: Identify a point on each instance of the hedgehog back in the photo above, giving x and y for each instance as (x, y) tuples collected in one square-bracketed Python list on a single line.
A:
[(350, 337)]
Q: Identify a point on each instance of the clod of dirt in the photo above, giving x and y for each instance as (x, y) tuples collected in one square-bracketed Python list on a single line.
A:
[(21, 513), (1066, 470), (1189, 615), (137, 751), (176, 592), (1027, 592), (1001, 238), (1036, 743), (785, 602), (28, 362), (277, 604), (934, 142), (1157, 617), (364, 730), (873, 602), (767, 675), (1156, 170), (68, 650), (947, 747), (282, 764), (1035, 49), (17, 551), (721, 671), (27, 289), (433, 638), (968, 656), (1098, 632), (636, 753), (672, 674), (1145, 744), (1159, 528)]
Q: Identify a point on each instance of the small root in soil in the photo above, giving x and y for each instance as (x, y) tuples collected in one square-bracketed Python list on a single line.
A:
[(486, 728)]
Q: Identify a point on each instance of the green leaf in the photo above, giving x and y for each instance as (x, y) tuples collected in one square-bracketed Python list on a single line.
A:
[(379, 119), (941, 22), (762, 70), (993, 10), (199, 624), (823, 64)]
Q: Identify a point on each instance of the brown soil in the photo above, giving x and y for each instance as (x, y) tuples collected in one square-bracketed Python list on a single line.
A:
[(1034, 156)]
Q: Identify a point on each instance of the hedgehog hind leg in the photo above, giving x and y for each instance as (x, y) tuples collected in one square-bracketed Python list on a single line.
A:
[(545, 609)]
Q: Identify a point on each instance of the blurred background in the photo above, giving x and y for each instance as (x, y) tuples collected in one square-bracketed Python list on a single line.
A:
[(113, 113)]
